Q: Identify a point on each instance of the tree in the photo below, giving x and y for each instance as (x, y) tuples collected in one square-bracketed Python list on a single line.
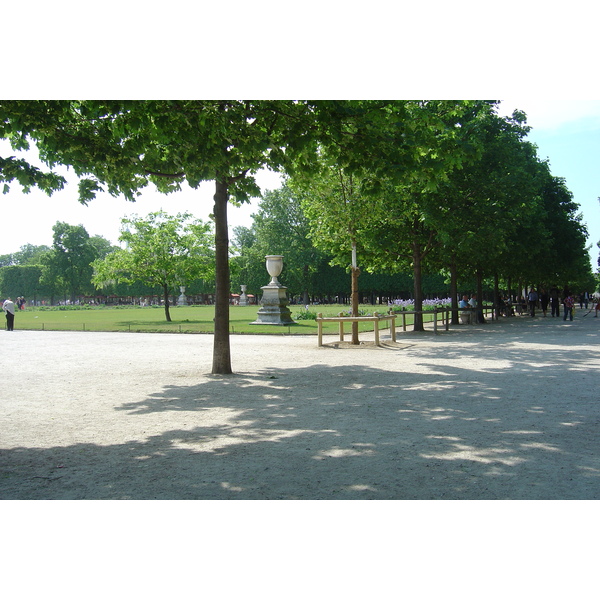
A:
[(20, 280), (160, 250), (403, 240), (244, 270), (29, 254), (566, 258), (476, 212), (101, 245), (69, 262), (26, 255), (6, 260)]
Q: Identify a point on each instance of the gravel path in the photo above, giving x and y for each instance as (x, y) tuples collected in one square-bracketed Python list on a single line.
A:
[(506, 410)]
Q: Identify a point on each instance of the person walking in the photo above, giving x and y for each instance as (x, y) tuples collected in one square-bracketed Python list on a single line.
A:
[(9, 310)]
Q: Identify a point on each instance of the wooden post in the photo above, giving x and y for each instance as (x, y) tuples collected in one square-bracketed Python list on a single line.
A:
[(355, 274), (320, 329), (393, 328), (435, 321), (342, 327)]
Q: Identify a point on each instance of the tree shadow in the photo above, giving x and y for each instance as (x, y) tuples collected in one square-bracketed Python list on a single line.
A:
[(449, 431)]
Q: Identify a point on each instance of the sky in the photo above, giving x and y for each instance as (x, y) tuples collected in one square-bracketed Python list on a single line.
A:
[(28, 218), (567, 133)]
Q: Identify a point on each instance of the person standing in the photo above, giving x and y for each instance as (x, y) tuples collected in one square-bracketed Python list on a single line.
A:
[(554, 302), (544, 300), (9, 309), (532, 298), (569, 302)]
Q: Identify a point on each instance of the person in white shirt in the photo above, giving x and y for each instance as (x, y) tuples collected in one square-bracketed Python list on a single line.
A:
[(9, 308)]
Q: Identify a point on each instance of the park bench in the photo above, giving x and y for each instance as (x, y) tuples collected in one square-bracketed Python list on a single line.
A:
[(468, 316), (341, 319)]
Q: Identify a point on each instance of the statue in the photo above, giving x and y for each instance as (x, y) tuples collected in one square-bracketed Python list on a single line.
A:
[(274, 309), (243, 297)]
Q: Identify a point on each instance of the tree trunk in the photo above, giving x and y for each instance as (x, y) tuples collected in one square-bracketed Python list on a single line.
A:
[(166, 300), (454, 290), (497, 294), (306, 286), (418, 288), (355, 274), (480, 317), (221, 349)]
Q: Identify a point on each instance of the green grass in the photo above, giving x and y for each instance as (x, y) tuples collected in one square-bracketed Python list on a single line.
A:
[(185, 319)]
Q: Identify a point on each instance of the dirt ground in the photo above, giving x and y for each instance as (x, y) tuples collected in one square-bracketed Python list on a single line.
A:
[(505, 410)]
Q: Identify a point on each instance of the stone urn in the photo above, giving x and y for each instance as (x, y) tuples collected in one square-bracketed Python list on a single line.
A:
[(182, 300), (243, 297), (274, 267)]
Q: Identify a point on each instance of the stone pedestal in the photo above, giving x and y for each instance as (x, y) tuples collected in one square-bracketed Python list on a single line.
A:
[(274, 309), (182, 300)]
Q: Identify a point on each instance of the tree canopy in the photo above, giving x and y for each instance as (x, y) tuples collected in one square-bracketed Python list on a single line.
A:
[(68, 264)]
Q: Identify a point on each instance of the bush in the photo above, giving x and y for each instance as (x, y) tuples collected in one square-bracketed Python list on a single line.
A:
[(305, 315)]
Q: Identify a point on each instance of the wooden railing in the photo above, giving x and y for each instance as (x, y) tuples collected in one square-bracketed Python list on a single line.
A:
[(443, 312), (341, 319), (439, 314)]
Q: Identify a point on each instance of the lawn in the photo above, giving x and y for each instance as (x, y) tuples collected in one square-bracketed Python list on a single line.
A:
[(185, 319)]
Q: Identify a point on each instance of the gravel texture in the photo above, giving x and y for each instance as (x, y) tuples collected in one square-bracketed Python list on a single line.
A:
[(505, 410)]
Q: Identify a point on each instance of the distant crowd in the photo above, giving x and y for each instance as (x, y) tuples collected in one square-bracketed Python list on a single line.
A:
[(552, 298)]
